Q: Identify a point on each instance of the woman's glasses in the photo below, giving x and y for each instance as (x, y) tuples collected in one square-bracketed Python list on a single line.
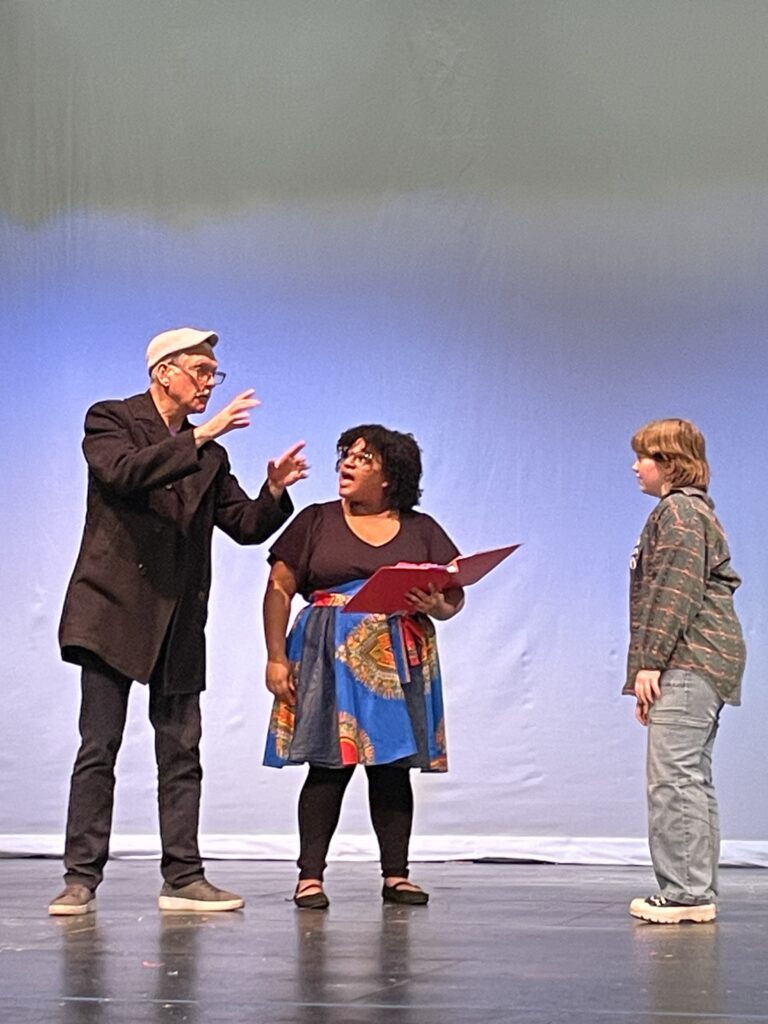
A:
[(361, 460)]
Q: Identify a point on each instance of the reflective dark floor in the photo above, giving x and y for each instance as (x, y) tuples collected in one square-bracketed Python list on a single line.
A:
[(498, 944)]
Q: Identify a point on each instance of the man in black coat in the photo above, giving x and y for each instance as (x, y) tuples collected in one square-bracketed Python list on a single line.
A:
[(137, 602)]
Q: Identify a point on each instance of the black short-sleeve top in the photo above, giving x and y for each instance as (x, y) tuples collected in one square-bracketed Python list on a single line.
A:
[(323, 552)]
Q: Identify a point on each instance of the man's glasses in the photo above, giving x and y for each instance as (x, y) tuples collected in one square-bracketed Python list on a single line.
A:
[(203, 376), (359, 459)]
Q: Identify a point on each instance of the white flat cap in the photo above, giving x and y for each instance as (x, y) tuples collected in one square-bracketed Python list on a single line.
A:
[(180, 339)]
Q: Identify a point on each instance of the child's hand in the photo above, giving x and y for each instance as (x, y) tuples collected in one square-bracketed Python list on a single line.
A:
[(647, 686)]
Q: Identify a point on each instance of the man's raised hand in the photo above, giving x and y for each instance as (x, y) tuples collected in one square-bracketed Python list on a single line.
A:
[(287, 469), (232, 417)]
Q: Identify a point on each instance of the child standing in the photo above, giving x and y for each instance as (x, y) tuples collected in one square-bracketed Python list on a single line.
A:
[(686, 659)]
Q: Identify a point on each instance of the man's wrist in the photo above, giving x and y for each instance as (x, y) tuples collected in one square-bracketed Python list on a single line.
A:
[(201, 436)]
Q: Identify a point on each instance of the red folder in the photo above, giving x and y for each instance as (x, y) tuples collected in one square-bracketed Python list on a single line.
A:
[(385, 591)]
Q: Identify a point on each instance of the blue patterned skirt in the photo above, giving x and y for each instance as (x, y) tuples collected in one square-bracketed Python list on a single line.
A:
[(368, 690)]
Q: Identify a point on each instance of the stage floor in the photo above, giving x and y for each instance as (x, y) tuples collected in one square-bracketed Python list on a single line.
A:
[(498, 944)]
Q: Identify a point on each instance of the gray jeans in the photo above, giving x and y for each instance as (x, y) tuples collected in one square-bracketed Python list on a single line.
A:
[(683, 820)]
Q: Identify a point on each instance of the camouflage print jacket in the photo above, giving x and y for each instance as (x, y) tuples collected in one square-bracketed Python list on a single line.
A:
[(681, 596)]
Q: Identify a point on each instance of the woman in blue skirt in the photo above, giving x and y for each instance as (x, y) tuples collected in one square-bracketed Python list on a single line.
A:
[(357, 688)]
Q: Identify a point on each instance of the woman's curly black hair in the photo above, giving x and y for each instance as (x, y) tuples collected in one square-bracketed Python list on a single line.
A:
[(400, 458)]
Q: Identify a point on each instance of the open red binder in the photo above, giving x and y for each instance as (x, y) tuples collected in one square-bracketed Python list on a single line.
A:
[(385, 591)]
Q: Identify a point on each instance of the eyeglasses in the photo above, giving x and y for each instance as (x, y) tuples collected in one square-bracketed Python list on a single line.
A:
[(201, 375), (362, 460)]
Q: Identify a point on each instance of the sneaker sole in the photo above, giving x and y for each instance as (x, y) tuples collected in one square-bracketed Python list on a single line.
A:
[(198, 906), (64, 910), (676, 915)]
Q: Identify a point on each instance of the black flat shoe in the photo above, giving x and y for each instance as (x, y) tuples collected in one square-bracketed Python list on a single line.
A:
[(311, 900), (399, 893)]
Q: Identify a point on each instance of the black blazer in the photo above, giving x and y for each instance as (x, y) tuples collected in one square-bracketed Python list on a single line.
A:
[(141, 581)]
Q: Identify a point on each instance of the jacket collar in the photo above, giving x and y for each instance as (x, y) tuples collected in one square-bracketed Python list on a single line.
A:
[(692, 492), (143, 408)]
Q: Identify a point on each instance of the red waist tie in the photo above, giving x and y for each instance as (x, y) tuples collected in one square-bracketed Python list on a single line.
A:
[(414, 637)]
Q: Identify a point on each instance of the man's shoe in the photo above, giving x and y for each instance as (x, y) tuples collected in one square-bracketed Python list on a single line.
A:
[(401, 893), (660, 910), (73, 899), (198, 897)]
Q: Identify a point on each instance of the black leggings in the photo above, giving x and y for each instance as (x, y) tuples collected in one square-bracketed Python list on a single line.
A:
[(390, 799)]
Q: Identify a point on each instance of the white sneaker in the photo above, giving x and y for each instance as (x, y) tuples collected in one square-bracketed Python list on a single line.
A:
[(660, 910)]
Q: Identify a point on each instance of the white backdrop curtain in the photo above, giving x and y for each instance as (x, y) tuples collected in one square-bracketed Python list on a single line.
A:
[(518, 230)]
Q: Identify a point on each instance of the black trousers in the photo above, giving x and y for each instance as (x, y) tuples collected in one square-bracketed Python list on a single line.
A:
[(176, 722), (390, 798)]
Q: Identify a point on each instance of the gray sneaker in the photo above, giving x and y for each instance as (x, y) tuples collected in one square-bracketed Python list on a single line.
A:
[(73, 899), (198, 897)]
